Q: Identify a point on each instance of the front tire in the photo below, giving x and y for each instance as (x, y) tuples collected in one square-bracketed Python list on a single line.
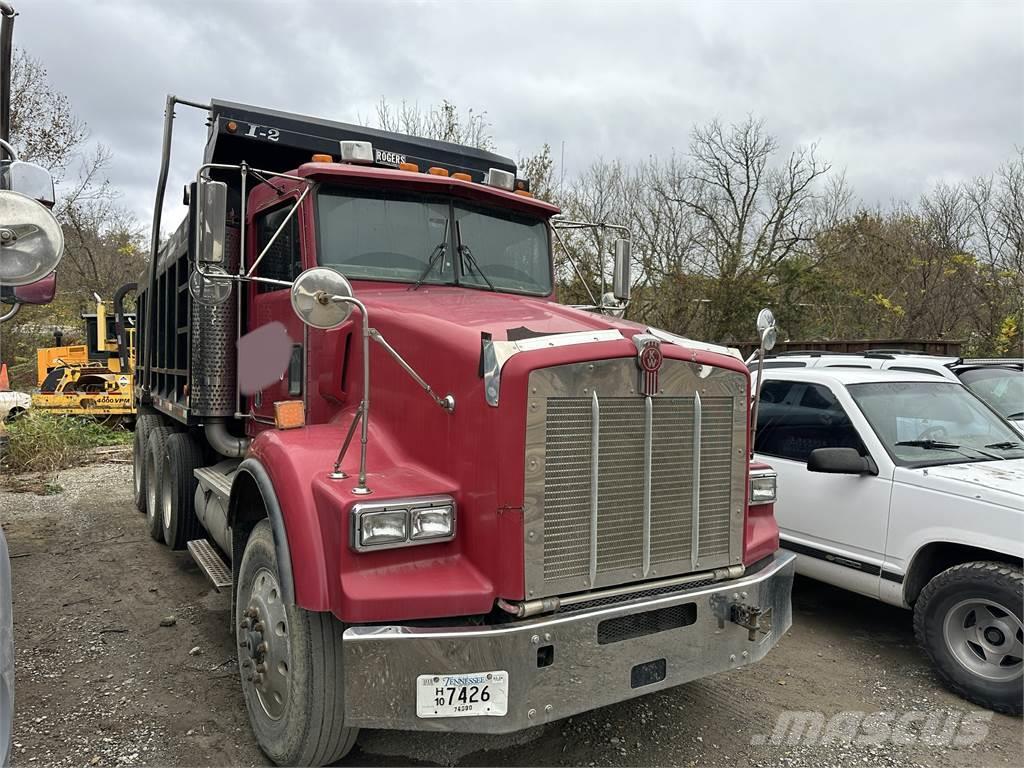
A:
[(968, 620), (290, 661)]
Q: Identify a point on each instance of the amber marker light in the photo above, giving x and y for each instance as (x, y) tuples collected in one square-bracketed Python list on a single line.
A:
[(319, 158), (289, 414), (435, 171), (411, 167), (462, 176), (231, 126)]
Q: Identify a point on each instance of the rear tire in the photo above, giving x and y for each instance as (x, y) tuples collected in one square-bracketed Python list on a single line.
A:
[(155, 446), (182, 455), (291, 665), (143, 424), (968, 620)]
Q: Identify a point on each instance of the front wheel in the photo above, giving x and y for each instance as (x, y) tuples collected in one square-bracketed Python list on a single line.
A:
[(968, 619), (290, 661)]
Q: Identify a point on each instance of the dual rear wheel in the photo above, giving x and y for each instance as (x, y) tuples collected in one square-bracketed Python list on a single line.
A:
[(165, 484)]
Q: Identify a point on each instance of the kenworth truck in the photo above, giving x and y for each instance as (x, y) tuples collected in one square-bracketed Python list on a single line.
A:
[(440, 499)]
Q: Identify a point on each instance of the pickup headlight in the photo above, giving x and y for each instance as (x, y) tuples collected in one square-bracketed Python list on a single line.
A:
[(762, 488), (402, 522)]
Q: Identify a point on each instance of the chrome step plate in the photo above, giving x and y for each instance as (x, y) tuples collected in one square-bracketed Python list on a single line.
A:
[(208, 559)]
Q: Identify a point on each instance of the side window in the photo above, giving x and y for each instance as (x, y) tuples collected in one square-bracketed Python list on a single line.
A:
[(284, 259), (808, 416)]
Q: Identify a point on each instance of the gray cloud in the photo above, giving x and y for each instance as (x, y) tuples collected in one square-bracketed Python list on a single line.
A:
[(900, 95)]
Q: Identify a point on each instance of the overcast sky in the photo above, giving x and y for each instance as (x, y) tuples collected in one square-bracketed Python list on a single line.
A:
[(901, 95)]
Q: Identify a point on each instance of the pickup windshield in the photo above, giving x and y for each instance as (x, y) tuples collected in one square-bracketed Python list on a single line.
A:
[(925, 423), (412, 239), (1002, 388)]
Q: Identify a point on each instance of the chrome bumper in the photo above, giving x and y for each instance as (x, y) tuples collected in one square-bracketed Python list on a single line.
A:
[(729, 625)]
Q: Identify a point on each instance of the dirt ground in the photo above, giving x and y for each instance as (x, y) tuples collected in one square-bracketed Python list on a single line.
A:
[(100, 681)]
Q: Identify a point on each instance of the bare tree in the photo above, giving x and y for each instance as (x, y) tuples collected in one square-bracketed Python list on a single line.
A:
[(444, 122)]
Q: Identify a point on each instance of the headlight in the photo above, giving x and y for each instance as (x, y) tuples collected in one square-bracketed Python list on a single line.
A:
[(379, 528), (402, 522), (432, 522), (762, 488)]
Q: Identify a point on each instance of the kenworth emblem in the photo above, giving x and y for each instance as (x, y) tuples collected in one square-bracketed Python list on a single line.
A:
[(648, 360)]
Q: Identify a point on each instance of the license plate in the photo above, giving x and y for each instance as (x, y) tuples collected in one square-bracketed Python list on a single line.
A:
[(471, 694)]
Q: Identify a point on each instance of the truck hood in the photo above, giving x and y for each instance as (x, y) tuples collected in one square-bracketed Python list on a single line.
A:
[(457, 312), (998, 482)]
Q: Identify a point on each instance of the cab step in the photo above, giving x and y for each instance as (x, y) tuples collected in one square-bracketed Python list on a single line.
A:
[(208, 559)]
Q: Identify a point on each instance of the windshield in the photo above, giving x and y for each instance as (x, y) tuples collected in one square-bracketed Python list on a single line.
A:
[(390, 236), (923, 423), (1002, 388)]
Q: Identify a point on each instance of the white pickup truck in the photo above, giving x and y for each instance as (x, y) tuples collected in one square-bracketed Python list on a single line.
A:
[(909, 489)]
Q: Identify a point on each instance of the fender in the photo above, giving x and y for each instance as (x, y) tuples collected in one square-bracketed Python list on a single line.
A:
[(254, 469)]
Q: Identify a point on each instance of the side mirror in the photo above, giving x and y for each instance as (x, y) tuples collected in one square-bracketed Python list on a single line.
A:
[(31, 240), (29, 179), (840, 461), (766, 329), (319, 297), (211, 221), (621, 278)]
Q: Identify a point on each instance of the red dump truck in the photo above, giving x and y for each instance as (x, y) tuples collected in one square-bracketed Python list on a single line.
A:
[(546, 509)]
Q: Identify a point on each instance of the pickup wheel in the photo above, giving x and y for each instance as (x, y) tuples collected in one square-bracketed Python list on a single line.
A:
[(968, 619), (143, 424), (182, 455), (156, 440), (290, 661)]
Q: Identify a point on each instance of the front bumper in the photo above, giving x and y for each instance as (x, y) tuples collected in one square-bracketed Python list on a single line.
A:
[(593, 661)]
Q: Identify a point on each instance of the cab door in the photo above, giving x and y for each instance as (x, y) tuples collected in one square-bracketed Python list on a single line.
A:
[(270, 303), (836, 524)]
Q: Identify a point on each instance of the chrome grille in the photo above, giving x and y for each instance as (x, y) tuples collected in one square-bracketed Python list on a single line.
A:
[(630, 509)]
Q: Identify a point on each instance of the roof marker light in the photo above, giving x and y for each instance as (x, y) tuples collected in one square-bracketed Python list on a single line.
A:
[(462, 176), (501, 179), (321, 158), (412, 167), (435, 171), (357, 152)]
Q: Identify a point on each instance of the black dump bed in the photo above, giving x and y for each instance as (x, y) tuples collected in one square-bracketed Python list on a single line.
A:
[(281, 141)]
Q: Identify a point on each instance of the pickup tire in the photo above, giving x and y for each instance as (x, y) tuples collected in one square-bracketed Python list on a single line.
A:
[(182, 455), (290, 661), (969, 621), (156, 440), (143, 424)]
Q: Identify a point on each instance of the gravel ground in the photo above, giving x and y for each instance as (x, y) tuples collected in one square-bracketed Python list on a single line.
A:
[(100, 682)]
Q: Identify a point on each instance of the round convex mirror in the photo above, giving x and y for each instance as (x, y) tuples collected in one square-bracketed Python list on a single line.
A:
[(31, 240), (766, 328), (318, 297), (211, 288)]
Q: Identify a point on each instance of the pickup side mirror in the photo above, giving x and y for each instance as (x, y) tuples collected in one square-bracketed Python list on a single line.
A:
[(840, 461)]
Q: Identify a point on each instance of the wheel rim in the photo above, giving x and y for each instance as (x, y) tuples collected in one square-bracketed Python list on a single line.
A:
[(165, 496), (265, 645), (985, 638), (137, 469), (151, 485)]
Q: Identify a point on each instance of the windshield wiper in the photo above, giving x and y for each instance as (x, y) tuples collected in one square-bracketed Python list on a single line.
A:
[(465, 253), (1017, 415), (941, 445), (929, 444), (1006, 445), (439, 251)]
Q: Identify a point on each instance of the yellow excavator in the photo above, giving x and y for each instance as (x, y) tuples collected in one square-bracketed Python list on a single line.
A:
[(94, 378)]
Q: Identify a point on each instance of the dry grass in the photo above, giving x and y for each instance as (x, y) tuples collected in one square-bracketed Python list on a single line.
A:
[(45, 443)]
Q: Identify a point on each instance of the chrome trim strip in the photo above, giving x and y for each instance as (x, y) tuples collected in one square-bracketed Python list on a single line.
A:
[(595, 464), (648, 449), (695, 536)]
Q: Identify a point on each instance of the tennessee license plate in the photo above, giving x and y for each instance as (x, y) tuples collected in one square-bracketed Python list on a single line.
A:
[(472, 694)]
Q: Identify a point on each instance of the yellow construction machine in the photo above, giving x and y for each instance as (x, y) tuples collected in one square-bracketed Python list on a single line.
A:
[(94, 378)]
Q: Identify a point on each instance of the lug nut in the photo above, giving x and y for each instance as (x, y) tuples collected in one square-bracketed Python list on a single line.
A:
[(257, 679), (245, 623), (262, 647), (258, 626), (261, 668), (246, 664)]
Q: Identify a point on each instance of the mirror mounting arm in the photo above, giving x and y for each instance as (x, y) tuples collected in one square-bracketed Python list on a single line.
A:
[(447, 403)]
